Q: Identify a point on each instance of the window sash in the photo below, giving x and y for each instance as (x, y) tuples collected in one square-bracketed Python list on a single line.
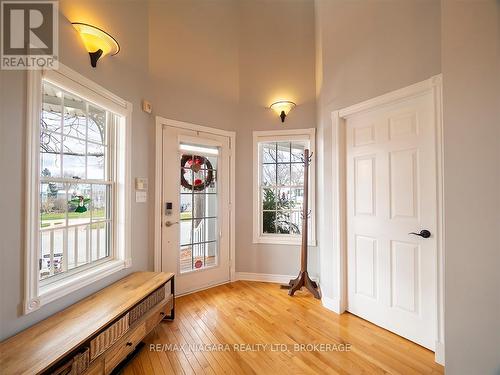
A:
[(108, 180)]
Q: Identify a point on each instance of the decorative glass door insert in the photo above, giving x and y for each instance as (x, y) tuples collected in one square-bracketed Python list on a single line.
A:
[(199, 201)]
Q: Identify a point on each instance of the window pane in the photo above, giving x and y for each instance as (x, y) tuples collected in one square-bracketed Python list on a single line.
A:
[(212, 162), (75, 121), (211, 256), (73, 157), (100, 198), (268, 152), (295, 222), (199, 255), (283, 152), (95, 161), (297, 175), (298, 151), (269, 222), (78, 246), (211, 182), (199, 209), (186, 260), (52, 205), (186, 208), (50, 154), (297, 197), (268, 175), (211, 205), (99, 240), (283, 222), (96, 125), (79, 203), (283, 174), (186, 226), (211, 231), (50, 262), (51, 108), (269, 199), (186, 180)]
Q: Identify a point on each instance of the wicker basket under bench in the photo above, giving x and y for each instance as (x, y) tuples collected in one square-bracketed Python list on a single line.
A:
[(95, 335)]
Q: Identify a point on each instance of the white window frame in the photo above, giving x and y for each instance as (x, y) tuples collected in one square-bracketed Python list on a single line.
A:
[(279, 136), (38, 294)]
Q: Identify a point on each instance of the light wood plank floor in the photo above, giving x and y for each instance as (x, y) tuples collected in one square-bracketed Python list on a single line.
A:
[(260, 313)]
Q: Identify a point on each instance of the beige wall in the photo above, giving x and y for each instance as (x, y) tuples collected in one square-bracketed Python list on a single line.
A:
[(221, 63), (365, 49), (471, 102), (125, 75)]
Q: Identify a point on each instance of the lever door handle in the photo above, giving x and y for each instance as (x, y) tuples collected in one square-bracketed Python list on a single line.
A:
[(423, 233), (169, 223)]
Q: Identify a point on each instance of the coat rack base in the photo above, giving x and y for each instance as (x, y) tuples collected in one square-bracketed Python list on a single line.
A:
[(303, 280)]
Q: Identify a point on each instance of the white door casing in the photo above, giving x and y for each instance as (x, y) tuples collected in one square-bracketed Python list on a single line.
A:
[(172, 137), (390, 192)]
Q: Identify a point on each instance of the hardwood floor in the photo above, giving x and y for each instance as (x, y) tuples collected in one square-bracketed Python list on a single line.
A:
[(260, 313)]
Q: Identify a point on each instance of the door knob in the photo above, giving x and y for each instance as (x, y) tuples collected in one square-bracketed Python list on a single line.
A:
[(169, 223), (423, 233)]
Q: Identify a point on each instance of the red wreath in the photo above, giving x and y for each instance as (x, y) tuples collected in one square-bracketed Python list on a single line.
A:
[(194, 163)]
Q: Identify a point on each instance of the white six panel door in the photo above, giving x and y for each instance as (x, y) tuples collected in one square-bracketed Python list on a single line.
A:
[(391, 191)]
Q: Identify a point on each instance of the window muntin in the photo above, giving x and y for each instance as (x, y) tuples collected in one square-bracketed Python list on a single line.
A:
[(76, 186), (281, 190)]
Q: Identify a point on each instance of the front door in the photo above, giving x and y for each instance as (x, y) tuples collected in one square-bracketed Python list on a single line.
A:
[(391, 193), (195, 212)]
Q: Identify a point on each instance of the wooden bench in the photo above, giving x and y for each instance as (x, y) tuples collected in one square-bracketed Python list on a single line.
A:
[(96, 334)]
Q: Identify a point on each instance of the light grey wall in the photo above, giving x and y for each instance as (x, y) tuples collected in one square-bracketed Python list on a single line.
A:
[(471, 102), (220, 64), (198, 61), (124, 75), (365, 49)]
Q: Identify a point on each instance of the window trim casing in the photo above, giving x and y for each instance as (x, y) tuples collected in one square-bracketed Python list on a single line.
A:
[(285, 135), (34, 295)]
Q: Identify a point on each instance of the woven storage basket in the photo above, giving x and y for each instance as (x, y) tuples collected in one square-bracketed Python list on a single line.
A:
[(81, 362), (143, 307), (108, 337)]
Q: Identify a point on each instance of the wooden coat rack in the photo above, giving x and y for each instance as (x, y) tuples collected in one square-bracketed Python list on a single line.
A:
[(303, 279)]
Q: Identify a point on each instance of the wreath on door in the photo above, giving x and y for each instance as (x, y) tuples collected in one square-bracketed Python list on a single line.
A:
[(195, 163)]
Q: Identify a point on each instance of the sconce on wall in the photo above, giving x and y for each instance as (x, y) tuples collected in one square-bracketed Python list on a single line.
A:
[(97, 42), (282, 108)]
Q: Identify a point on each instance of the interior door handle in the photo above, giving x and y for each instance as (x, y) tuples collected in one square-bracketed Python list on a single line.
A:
[(423, 233), (169, 223)]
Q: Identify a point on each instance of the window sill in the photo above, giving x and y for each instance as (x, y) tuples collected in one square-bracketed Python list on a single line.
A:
[(271, 240), (63, 287)]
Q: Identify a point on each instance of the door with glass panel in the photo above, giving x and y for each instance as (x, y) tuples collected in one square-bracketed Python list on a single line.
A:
[(195, 212)]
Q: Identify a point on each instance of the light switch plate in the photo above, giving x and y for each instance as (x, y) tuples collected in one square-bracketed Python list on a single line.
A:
[(141, 197)]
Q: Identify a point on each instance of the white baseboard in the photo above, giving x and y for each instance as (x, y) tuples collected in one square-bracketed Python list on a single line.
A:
[(331, 304), (266, 277), (439, 353)]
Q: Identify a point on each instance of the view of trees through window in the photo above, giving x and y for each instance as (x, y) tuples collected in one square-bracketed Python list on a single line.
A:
[(75, 184), (282, 186)]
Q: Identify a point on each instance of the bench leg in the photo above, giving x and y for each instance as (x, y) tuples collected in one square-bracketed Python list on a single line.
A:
[(172, 292)]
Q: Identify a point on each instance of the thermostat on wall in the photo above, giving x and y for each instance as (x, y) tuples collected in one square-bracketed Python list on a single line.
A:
[(141, 183)]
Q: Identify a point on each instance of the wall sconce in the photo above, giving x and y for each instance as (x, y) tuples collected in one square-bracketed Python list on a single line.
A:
[(282, 108), (97, 42)]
